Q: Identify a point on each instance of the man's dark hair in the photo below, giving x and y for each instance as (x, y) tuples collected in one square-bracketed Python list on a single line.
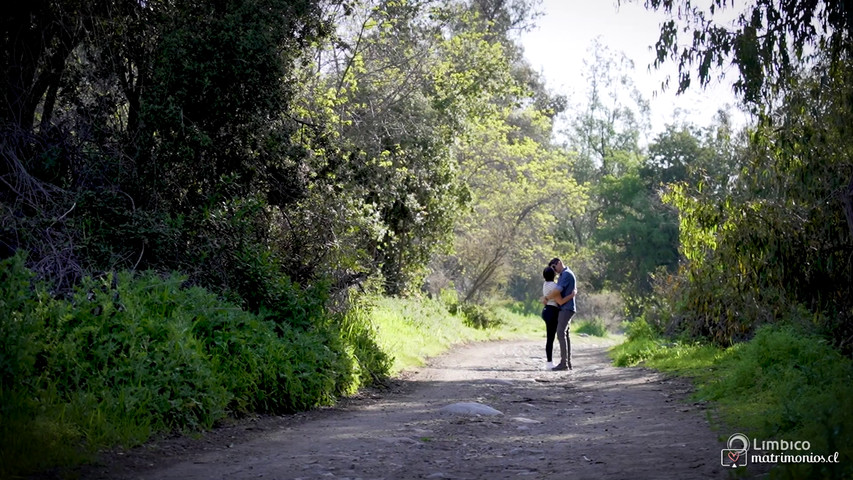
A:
[(549, 274), (553, 261)]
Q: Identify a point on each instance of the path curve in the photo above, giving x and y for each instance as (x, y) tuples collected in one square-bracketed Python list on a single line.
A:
[(597, 422)]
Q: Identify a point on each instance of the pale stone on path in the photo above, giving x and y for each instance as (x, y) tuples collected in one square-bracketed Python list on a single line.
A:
[(470, 408)]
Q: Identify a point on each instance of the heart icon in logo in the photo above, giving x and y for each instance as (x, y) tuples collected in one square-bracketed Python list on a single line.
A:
[(734, 456)]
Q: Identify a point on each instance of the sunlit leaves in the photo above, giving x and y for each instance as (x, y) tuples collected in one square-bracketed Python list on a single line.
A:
[(519, 189)]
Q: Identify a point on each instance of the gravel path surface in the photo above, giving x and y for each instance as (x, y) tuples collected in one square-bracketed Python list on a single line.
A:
[(598, 421)]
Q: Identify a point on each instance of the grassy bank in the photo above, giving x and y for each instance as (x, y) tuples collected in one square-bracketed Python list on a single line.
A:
[(782, 385)]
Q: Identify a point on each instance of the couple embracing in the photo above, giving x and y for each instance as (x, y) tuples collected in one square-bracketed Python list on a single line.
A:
[(559, 301)]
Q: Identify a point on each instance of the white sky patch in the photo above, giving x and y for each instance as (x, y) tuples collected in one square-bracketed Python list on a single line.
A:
[(563, 39)]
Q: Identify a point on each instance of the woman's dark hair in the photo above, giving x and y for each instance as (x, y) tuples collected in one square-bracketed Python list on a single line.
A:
[(549, 274)]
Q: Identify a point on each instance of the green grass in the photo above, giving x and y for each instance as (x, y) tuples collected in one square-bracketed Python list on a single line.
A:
[(783, 384)]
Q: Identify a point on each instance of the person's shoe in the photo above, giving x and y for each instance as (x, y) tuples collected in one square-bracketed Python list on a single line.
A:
[(549, 365), (560, 367)]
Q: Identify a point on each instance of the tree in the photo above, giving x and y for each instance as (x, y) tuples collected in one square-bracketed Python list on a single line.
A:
[(518, 190), (638, 233), (142, 127), (785, 229), (392, 97), (769, 45), (605, 134)]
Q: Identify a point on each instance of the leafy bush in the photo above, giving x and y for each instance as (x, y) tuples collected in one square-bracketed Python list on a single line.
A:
[(784, 384), (359, 333), (17, 326), (129, 355), (594, 327), (634, 352), (640, 329), (643, 343), (450, 298), (479, 316)]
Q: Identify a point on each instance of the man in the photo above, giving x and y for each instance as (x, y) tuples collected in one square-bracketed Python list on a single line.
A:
[(567, 285)]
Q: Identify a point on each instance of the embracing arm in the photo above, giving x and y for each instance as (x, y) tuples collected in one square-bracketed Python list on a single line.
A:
[(556, 296)]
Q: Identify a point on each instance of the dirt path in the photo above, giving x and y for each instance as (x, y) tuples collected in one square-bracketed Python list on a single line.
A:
[(597, 422)]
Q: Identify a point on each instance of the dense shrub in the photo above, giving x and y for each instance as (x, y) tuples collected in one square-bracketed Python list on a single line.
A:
[(130, 355), (786, 384), (479, 316)]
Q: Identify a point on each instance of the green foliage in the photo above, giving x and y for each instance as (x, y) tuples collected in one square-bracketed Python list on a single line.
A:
[(783, 384), (594, 327), (637, 233), (635, 352), (639, 329), (155, 118), (642, 344), (774, 243), (620, 234), (130, 355), (388, 108), (360, 336), (767, 41), (479, 316), (17, 327), (258, 281)]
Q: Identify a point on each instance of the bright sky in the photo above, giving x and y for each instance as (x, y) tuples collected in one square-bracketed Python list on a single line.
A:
[(563, 38)]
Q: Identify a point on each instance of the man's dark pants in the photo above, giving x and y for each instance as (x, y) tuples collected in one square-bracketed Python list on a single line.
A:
[(564, 319)]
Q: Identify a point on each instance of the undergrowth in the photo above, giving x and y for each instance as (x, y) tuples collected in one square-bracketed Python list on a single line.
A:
[(128, 356), (783, 384), (594, 327)]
